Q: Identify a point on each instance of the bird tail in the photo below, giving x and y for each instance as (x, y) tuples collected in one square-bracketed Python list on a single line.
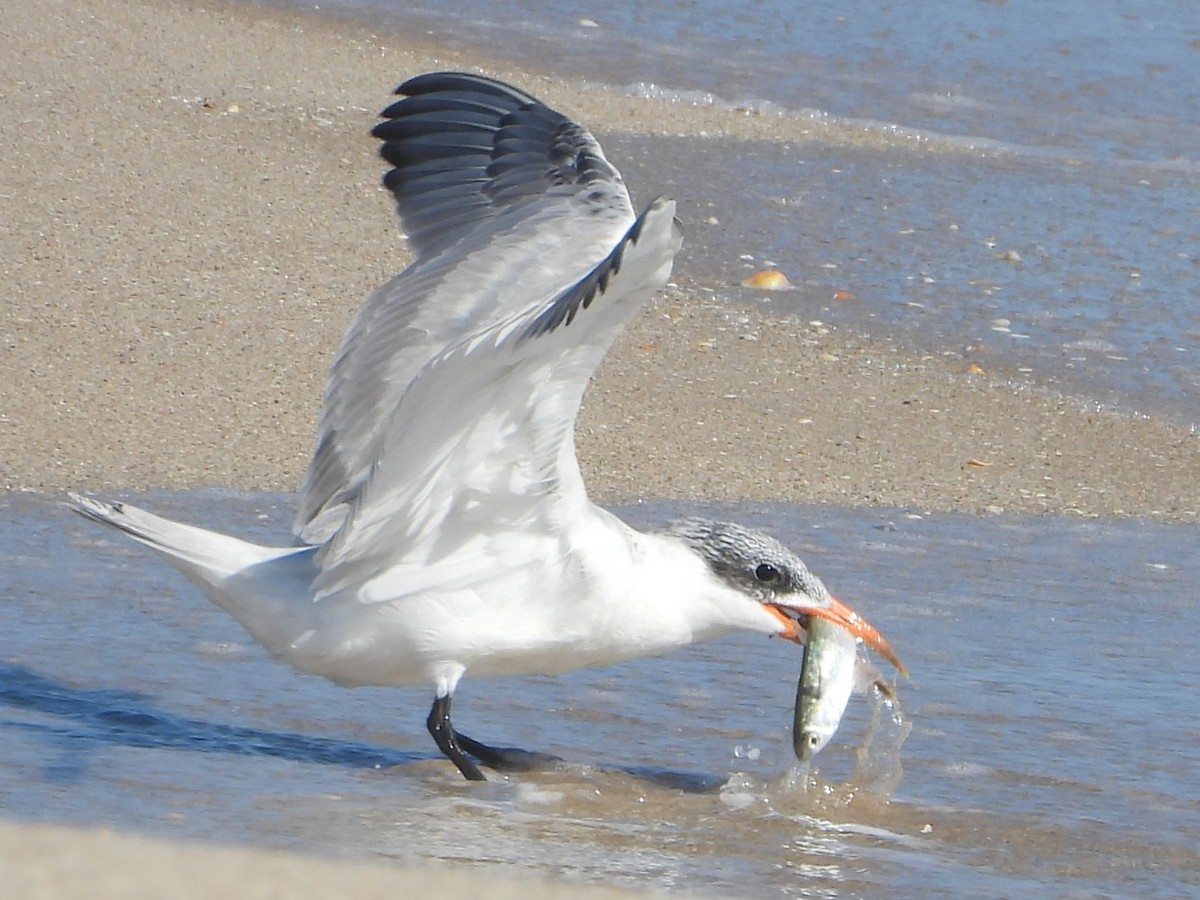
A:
[(206, 557), (267, 589)]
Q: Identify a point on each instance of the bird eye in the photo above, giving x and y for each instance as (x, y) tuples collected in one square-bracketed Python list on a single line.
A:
[(766, 572)]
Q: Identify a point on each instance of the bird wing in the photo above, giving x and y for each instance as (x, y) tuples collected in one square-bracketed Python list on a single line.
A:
[(482, 442), (449, 417), (507, 204)]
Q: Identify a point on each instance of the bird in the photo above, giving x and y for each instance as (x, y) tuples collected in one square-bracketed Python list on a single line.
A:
[(443, 526)]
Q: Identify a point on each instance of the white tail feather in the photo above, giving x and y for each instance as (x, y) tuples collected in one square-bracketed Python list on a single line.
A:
[(210, 555), (267, 589)]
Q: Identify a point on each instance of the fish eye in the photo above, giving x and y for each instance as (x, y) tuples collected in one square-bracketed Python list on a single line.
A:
[(766, 573)]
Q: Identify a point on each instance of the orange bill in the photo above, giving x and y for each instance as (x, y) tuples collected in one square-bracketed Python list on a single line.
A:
[(840, 614)]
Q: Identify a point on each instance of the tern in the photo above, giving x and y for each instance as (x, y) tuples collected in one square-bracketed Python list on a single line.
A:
[(443, 525)]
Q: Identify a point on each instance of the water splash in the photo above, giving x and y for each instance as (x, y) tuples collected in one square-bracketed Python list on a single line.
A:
[(877, 769), (877, 766)]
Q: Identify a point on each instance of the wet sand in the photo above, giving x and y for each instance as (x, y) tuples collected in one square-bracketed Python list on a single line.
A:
[(46, 862), (192, 214)]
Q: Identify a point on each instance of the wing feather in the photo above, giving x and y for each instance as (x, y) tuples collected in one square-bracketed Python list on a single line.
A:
[(483, 439), (505, 202)]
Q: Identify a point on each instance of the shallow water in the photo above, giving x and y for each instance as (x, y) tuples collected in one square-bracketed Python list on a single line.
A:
[(1103, 302), (1065, 133), (1054, 748)]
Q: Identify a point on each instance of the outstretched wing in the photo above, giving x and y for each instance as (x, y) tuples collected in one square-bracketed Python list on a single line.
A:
[(482, 444), (508, 205)]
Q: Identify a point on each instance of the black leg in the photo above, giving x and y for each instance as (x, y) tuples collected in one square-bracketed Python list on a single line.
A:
[(439, 726), (506, 759), (456, 747)]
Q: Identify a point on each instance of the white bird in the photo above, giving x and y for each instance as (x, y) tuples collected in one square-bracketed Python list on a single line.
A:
[(444, 526)]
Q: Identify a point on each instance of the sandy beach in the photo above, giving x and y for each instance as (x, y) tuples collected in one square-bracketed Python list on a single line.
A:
[(192, 222), (46, 862), (193, 214)]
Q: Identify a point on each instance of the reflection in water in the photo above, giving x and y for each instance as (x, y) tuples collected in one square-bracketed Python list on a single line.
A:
[(1050, 744), (128, 718)]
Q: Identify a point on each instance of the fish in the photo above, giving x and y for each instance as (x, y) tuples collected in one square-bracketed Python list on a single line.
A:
[(832, 670), (827, 678)]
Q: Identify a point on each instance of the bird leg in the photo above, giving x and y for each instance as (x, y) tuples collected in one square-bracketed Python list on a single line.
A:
[(456, 746), (507, 759), (439, 726)]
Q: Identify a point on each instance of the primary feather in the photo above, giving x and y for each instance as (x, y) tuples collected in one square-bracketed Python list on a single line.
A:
[(508, 205)]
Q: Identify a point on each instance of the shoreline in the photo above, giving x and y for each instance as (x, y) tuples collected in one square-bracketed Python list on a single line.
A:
[(185, 256), (44, 861)]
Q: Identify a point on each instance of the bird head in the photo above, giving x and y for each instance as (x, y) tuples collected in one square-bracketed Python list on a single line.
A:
[(758, 565)]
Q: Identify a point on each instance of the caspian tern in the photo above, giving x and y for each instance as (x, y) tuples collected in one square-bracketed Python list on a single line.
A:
[(444, 526)]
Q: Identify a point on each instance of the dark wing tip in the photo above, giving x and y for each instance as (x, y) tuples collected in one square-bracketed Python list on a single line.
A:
[(464, 147), (439, 82)]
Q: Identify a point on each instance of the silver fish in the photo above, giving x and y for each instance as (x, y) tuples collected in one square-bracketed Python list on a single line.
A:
[(827, 679)]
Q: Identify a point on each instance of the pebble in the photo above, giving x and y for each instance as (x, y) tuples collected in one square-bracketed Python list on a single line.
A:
[(767, 280)]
